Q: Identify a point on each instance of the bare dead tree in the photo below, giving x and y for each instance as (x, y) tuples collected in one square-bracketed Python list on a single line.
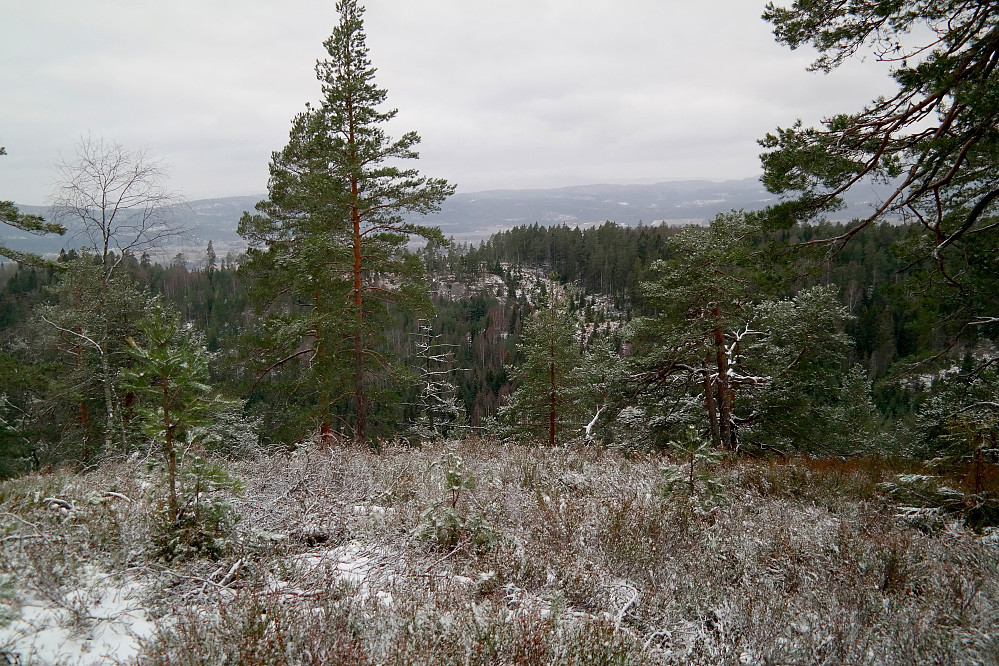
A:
[(116, 198)]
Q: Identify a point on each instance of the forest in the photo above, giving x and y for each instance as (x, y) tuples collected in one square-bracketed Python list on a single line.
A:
[(862, 345), (538, 418)]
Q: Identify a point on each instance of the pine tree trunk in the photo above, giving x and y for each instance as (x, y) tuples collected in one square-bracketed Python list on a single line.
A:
[(712, 409), (724, 398), (360, 432), (84, 412), (108, 398), (552, 406), (105, 364), (362, 407), (171, 453)]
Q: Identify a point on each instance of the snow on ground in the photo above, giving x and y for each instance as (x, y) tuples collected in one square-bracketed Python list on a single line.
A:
[(367, 568), (101, 622)]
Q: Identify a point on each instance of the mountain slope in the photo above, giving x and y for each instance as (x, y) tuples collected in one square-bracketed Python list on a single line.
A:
[(475, 216)]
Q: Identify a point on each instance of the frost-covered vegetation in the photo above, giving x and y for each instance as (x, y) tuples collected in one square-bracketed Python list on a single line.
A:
[(765, 440), (475, 552)]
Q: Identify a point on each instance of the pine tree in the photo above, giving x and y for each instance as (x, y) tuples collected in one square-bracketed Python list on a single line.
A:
[(170, 378), (330, 240), (544, 402), (33, 224), (211, 262), (703, 295), (769, 369)]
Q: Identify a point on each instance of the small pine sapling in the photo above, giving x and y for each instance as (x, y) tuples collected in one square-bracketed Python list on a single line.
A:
[(176, 404), (701, 459), (456, 477), (451, 526)]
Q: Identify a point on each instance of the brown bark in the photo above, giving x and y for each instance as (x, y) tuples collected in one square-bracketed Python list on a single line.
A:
[(362, 408), (725, 396), (171, 453), (84, 412), (553, 399), (712, 409), (360, 432)]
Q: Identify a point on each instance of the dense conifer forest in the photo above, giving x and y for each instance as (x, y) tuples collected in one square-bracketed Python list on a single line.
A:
[(897, 341)]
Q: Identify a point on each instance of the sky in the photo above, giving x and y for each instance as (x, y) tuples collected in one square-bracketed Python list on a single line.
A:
[(511, 94)]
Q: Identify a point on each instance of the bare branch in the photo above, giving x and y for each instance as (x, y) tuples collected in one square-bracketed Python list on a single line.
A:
[(81, 336), (116, 199)]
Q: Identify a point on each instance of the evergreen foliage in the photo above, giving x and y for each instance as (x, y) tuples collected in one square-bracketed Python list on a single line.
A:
[(33, 224), (175, 409), (958, 423), (749, 359), (175, 402), (545, 404), (935, 139), (329, 242), (704, 302), (84, 331)]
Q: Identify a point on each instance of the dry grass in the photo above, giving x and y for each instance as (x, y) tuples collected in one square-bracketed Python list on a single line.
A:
[(478, 553)]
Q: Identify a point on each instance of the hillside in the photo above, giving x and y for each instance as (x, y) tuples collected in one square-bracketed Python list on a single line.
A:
[(478, 553), (474, 216)]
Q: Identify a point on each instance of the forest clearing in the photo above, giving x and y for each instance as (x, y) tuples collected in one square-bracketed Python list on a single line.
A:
[(761, 438)]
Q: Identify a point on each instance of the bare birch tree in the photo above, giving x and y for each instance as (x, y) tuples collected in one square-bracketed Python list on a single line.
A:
[(117, 200)]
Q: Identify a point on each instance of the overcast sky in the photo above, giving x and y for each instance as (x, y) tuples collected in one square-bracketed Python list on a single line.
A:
[(511, 94)]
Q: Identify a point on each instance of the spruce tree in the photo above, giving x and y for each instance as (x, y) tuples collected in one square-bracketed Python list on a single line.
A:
[(440, 410), (329, 242)]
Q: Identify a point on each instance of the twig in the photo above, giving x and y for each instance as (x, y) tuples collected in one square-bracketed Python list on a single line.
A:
[(83, 337), (624, 609), (23, 537), (59, 502), (229, 577), (20, 520), (435, 563), (195, 579)]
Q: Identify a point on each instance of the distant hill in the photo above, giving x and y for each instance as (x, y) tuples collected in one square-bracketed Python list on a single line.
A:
[(471, 217), (207, 220)]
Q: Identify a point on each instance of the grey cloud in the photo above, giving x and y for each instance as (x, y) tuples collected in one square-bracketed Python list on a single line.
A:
[(515, 94)]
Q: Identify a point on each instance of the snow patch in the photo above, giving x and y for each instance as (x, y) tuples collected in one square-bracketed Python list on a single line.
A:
[(101, 622), (355, 564)]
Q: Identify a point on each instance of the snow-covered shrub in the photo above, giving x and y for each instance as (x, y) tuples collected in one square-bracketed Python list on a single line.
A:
[(446, 525)]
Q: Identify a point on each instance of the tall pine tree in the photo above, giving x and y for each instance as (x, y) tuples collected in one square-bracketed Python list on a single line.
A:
[(546, 404), (330, 240)]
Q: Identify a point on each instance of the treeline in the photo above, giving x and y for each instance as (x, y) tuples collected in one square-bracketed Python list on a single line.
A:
[(830, 349), (889, 317), (609, 259), (752, 333)]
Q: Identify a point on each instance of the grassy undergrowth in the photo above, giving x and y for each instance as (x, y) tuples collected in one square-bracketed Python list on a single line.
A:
[(479, 553)]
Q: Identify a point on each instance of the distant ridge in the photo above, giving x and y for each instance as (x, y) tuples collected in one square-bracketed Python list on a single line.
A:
[(474, 216)]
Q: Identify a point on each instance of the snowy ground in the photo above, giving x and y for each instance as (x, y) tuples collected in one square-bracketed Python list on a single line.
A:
[(567, 556), (103, 621)]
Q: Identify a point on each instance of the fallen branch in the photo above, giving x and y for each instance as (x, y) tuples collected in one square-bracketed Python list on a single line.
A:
[(58, 502)]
